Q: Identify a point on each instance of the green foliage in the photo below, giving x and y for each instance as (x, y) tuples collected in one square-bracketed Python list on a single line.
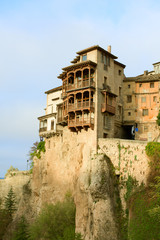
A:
[(158, 119), (10, 202), (55, 222), (5, 219), (37, 152), (131, 184), (21, 232), (153, 151), (142, 224), (10, 170)]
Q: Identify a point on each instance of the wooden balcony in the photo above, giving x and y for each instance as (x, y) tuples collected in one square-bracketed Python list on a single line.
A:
[(80, 122), (44, 129), (81, 84), (80, 106), (108, 108)]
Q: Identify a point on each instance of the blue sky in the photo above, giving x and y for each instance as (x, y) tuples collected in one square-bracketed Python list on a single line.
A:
[(38, 38)]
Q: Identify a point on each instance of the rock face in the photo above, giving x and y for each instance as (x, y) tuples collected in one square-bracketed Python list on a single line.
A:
[(76, 168), (70, 163)]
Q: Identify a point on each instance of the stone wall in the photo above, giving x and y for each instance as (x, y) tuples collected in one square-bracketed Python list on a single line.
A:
[(127, 156)]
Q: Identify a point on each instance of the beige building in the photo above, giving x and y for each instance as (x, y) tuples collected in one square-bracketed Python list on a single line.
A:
[(92, 93), (48, 122), (141, 104), (96, 96)]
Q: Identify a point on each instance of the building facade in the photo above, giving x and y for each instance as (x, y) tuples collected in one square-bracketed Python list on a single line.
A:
[(141, 104), (95, 95)]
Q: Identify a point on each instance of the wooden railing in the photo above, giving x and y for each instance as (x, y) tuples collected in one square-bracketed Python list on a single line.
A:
[(44, 129), (80, 105), (108, 108), (80, 122), (81, 84)]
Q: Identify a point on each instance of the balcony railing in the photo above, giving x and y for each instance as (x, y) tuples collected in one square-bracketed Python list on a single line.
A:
[(80, 122), (81, 84), (44, 129), (80, 105), (108, 108)]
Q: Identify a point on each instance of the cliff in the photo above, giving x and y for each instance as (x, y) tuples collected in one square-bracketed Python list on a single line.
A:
[(71, 163)]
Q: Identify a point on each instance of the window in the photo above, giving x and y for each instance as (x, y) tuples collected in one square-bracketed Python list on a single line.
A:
[(107, 122), (84, 57), (129, 113), (52, 125), (129, 86), (152, 85), (120, 91), (129, 99), (140, 85), (143, 99), (102, 60), (145, 112), (105, 80), (155, 99), (119, 72)]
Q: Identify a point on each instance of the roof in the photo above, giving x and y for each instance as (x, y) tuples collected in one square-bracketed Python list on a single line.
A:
[(155, 63), (98, 48), (54, 90), (143, 78), (76, 65), (120, 64)]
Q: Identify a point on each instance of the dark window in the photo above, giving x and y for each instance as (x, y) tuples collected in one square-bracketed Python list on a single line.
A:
[(129, 113), (129, 86), (155, 99), (119, 72), (129, 99), (140, 85), (151, 85), (145, 112)]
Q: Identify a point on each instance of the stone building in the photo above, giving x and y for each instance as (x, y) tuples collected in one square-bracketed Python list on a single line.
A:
[(91, 95), (96, 97), (141, 104)]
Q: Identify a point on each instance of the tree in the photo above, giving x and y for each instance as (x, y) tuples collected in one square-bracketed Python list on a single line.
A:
[(21, 232), (10, 202), (55, 222)]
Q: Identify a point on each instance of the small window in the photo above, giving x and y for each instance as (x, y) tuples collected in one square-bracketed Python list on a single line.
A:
[(120, 91), (140, 85), (107, 122), (145, 129), (129, 113), (84, 57), (129, 99), (105, 80), (143, 99), (119, 72), (155, 99), (151, 85), (129, 86), (145, 112)]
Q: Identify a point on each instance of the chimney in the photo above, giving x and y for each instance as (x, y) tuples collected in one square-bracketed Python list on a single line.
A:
[(109, 48), (146, 73)]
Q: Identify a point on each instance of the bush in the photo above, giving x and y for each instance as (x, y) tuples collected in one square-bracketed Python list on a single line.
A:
[(55, 222), (21, 232)]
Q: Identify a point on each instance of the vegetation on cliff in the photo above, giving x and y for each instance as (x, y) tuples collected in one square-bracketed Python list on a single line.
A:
[(55, 222), (144, 203)]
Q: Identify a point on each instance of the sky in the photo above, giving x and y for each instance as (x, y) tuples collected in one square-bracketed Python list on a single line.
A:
[(38, 38)]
